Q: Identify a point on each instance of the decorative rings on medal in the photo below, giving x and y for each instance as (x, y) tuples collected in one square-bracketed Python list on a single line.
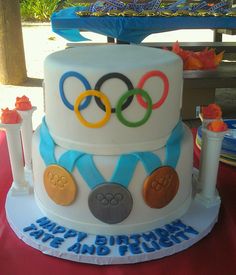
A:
[(102, 101)]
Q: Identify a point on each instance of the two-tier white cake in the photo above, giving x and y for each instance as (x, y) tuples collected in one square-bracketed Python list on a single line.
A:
[(146, 138), (112, 162)]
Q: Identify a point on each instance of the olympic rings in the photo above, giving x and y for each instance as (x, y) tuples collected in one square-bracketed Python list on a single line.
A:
[(109, 76), (120, 116), (125, 100), (165, 91), (106, 102), (86, 85)]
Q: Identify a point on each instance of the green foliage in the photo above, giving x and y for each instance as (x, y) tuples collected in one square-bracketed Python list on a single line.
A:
[(41, 10)]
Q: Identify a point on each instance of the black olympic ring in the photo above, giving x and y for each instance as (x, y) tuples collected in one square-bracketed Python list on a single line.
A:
[(109, 76)]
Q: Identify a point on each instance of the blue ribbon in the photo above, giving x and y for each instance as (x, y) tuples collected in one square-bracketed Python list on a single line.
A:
[(47, 145), (69, 159), (89, 171), (124, 169), (125, 166), (47, 149), (173, 146)]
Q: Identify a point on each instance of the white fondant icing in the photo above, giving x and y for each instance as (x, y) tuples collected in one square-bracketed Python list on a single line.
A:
[(197, 216), (141, 218), (114, 138), (93, 63)]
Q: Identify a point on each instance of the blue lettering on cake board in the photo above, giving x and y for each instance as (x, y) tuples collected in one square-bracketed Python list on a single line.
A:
[(44, 230)]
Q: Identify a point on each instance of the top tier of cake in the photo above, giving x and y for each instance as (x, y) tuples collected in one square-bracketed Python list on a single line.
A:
[(141, 86)]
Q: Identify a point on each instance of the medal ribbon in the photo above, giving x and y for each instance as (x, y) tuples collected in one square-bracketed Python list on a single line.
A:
[(47, 151), (126, 164)]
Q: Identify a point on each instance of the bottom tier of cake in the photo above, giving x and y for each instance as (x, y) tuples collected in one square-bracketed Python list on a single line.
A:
[(122, 194)]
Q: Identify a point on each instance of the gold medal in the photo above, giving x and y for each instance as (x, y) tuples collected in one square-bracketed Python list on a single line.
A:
[(166, 13), (231, 13), (148, 13), (202, 13), (98, 13), (83, 13), (160, 187), (59, 184), (181, 13), (129, 13), (113, 13)]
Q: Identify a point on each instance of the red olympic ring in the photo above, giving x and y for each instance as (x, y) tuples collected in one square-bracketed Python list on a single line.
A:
[(165, 91)]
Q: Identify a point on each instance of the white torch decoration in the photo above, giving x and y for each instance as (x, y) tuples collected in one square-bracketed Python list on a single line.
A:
[(205, 122), (11, 122), (25, 109), (213, 132)]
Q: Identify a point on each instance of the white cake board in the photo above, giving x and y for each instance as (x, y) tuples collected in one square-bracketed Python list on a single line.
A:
[(22, 211)]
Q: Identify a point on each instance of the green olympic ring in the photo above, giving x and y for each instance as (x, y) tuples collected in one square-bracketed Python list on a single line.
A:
[(124, 97)]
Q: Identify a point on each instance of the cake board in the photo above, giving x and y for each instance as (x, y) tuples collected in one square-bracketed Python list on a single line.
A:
[(30, 225)]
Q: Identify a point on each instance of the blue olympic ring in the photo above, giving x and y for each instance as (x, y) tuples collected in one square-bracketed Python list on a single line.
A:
[(62, 93)]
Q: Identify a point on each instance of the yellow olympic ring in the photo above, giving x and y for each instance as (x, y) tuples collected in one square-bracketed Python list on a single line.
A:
[(105, 101)]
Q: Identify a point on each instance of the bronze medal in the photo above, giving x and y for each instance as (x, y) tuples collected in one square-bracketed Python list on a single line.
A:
[(59, 184), (160, 187)]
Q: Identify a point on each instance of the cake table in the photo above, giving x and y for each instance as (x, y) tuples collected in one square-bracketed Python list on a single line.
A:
[(131, 29)]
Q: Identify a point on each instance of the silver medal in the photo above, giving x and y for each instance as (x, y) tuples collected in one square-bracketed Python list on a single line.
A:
[(110, 203)]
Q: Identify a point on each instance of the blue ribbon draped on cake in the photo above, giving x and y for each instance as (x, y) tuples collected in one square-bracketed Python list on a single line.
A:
[(126, 163)]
